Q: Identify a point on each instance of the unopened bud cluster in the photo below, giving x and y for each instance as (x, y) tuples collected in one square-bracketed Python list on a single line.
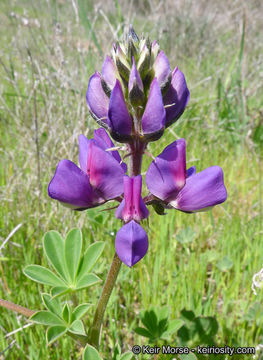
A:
[(137, 95)]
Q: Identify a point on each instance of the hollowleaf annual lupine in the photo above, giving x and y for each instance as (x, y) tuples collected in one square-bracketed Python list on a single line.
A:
[(134, 98)]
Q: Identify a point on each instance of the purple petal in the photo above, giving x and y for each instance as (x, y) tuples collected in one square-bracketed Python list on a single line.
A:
[(135, 79), (71, 186), (131, 243), (166, 175), (202, 190), (119, 117), (177, 94), (83, 152), (109, 72), (161, 68), (98, 101), (153, 118), (119, 210), (103, 140), (133, 207), (104, 172), (191, 171)]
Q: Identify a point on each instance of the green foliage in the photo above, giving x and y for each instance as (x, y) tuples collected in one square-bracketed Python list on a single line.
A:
[(72, 274), (225, 264), (197, 330), (55, 332), (73, 270), (90, 353), (185, 236), (60, 320), (118, 355), (157, 324)]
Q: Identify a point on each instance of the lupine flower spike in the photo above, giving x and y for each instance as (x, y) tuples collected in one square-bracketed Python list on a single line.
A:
[(135, 97)]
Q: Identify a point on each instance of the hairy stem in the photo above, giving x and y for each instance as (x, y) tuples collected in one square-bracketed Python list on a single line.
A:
[(94, 332), (16, 308)]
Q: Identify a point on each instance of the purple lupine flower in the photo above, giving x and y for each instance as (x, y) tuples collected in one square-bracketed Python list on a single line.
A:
[(98, 179), (131, 241), (188, 191), (137, 95), (132, 206)]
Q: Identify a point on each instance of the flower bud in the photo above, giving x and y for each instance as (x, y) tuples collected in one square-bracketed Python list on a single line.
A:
[(143, 64), (154, 50), (135, 86), (122, 63), (162, 71), (109, 74)]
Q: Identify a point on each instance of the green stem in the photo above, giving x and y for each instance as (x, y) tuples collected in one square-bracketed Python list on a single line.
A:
[(94, 332)]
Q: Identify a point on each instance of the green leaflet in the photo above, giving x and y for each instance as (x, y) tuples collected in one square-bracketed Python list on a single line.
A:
[(54, 332), (46, 318), (54, 249), (90, 353), (42, 275), (73, 245)]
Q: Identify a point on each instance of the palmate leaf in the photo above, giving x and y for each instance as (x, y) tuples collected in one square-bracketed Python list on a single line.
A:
[(90, 353), (73, 271), (60, 320), (43, 275), (157, 324), (73, 245), (54, 249)]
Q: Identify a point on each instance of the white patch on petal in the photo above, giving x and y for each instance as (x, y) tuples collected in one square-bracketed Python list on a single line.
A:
[(174, 204), (180, 183)]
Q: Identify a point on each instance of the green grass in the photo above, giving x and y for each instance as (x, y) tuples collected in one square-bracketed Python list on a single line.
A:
[(43, 98)]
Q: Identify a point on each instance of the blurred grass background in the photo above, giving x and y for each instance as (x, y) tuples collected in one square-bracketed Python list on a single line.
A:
[(49, 49)]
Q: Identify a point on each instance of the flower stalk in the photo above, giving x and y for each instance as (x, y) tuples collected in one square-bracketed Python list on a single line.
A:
[(95, 329)]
